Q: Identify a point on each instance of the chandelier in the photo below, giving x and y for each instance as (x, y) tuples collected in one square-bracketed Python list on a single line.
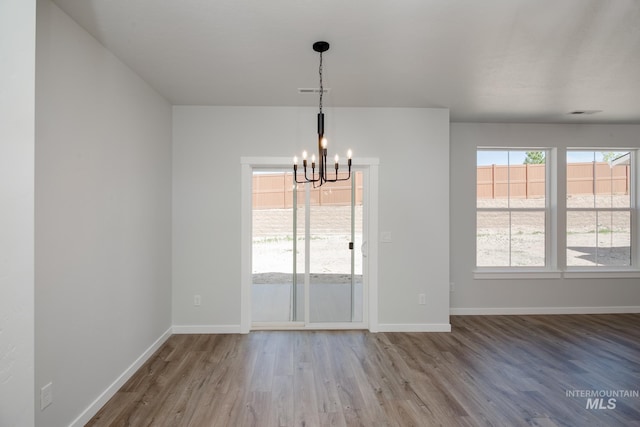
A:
[(322, 175)]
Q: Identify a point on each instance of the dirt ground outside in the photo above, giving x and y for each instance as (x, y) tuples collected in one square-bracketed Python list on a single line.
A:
[(601, 238), (329, 244)]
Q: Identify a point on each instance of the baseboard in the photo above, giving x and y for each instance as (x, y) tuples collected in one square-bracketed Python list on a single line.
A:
[(414, 327), (542, 310), (206, 329), (389, 327), (93, 409)]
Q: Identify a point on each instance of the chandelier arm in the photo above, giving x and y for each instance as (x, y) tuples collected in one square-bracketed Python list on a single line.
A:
[(339, 179), (347, 178), (305, 179), (313, 176)]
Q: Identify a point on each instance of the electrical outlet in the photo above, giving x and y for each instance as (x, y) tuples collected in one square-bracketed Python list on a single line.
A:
[(452, 287), (422, 299), (385, 237), (46, 396), (196, 300)]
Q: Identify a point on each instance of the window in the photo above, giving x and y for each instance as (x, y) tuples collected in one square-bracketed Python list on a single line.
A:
[(512, 208), (522, 228), (599, 208)]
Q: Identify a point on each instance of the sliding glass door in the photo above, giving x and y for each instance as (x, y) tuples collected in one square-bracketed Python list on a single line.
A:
[(333, 295), (307, 251)]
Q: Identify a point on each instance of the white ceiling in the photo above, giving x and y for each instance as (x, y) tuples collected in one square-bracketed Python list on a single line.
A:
[(489, 60)]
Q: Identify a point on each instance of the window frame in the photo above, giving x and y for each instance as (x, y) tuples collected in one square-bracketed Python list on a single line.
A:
[(547, 270), (556, 224), (606, 271)]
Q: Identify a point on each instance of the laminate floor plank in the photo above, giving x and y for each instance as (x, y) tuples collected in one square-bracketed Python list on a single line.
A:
[(326, 386), (285, 351), (305, 408), (489, 371), (282, 402)]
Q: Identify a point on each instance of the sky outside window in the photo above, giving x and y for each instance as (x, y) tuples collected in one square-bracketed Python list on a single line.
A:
[(497, 157)]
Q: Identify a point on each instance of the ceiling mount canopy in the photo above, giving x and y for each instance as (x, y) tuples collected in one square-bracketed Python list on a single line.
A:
[(322, 177), (321, 47)]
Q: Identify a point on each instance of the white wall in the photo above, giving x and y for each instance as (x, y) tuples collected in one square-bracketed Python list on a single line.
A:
[(525, 295), (17, 109), (103, 216), (207, 145)]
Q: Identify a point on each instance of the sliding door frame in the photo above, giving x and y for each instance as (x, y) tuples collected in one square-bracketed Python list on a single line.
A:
[(370, 262)]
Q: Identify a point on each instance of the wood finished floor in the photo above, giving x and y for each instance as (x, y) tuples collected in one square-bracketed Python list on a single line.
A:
[(489, 371)]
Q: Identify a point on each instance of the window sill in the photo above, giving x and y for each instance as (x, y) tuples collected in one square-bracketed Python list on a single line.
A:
[(574, 273), (597, 273), (492, 274)]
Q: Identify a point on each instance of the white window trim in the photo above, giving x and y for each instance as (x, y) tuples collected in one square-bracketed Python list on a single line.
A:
[(632, 271), (489, 273), (549, 270), (592, 273), (556, 267)]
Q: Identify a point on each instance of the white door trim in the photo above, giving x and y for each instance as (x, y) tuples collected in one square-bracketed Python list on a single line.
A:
[(247, 164)]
